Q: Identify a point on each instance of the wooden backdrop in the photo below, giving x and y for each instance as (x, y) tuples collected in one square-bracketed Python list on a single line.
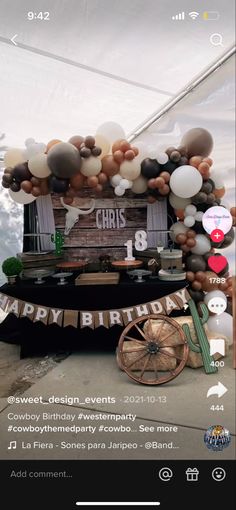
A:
[(86, 240)]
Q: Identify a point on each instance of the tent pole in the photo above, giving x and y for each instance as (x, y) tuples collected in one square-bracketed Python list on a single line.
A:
[(182, 94)]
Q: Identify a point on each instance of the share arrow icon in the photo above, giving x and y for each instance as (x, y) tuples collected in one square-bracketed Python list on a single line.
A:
[(219, 390)]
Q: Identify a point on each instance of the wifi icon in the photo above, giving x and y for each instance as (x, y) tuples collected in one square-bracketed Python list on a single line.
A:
[(193, 14)]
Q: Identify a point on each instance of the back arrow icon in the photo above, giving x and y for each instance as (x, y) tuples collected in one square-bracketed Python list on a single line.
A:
[(219, 390), (13, 39)]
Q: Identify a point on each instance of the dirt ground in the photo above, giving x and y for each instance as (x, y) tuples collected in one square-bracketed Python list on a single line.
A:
[(17, 375)]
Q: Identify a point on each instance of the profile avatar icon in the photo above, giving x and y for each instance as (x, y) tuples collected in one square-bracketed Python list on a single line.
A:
[(217, 438)]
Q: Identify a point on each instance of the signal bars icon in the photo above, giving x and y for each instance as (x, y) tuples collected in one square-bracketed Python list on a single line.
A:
[(179, 17)]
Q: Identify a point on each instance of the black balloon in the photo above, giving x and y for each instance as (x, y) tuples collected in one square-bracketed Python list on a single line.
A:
[(59, 185), (195, 263), (196, 295), (21, 172), (207, 187), (150, 168), (228, 239), (64, 160), (169, 167)]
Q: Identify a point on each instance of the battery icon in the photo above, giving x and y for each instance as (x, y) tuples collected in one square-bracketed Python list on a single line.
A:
[(211, 15)]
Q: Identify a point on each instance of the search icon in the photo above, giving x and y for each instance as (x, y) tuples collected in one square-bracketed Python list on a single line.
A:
[(216, 39)]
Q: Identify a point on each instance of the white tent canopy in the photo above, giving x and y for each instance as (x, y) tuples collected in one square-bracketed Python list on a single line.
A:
[(101, 60)]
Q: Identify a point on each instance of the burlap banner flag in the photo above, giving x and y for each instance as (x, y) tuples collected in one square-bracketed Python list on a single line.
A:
[(97, 318)]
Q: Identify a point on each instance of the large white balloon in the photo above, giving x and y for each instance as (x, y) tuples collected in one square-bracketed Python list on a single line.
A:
[(13, 157), (178, 202), (202, 245), (186, 181), (111, 131), (21, 197), (177, 228), (222, 324), (103, 143), (38, 166)]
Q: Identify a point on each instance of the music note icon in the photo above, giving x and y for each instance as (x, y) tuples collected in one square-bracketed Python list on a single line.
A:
[(12, 445)]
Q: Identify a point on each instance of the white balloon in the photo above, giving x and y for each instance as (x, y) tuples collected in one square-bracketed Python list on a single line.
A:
[(143, 150), (199, 215), (130, 169), (111, 131), (202, 246), (119, 192), (139, 185), (38, 166), (91, 166), (178, 202), (162, 158), (177, 228), (190, 210), (124, 183), (29, 141), (222, 324), (189, 221), (21, 197), (13, 157), (115, 180), (35, 148), (217, 179), (186, 181)]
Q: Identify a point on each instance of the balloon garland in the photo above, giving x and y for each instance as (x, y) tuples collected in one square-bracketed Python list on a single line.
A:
[(183, 174)]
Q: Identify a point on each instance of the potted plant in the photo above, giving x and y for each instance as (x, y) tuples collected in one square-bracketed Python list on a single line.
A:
[(12, 267)]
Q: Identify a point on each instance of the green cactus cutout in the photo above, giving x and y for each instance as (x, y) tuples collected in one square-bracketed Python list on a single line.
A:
[(58, 239), (203, 347)]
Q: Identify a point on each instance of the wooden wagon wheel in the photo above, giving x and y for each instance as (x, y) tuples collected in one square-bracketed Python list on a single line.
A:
[(153, 358)]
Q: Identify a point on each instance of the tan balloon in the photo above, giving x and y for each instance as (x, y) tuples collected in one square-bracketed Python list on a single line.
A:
[(91, 166), (13, 157), (130, 169), (38, 166), (139, 185), (104, 144)]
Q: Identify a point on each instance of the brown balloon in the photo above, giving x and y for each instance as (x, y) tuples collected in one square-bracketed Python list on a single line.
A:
[(118, 156), (109, 166), (190, 276), (35, 181), (164, 190), (26, 186), (151, 199), (219, 193), (77, 181), (124, 146), (102, 178), (76, 141), (51, 144), (92, 181), (196, 285), (116, 145), (198, 141), (129, 155), (165, 176), (181, 238), (210, 281), (191, 233), (89, 141), (36, 191), (98, 188), (195, 161), (191, 242), (200, 276)]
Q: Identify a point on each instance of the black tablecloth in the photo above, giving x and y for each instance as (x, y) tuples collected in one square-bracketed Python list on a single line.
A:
[(38, 337)]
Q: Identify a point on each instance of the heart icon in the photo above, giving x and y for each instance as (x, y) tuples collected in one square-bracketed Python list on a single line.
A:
[(217, 263)]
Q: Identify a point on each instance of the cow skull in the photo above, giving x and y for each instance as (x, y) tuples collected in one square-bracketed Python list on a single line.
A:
[(73, 214)]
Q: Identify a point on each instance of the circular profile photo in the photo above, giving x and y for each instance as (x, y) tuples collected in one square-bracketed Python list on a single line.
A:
[(217, 438)]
